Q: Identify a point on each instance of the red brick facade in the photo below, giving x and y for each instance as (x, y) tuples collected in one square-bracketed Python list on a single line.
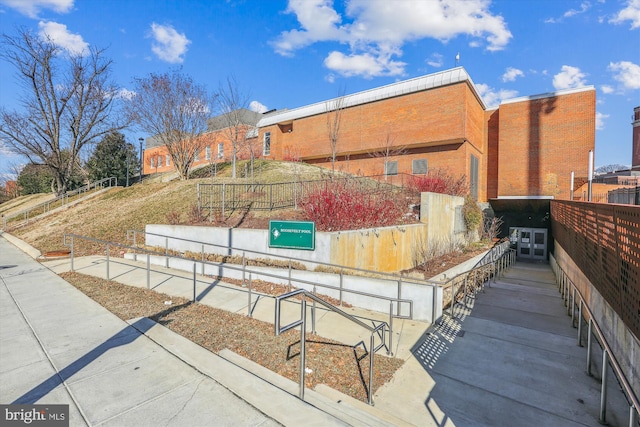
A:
[(526, 147)]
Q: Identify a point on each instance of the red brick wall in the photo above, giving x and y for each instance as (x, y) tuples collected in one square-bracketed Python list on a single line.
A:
[(635, 155), (542, 141), (491, 159)]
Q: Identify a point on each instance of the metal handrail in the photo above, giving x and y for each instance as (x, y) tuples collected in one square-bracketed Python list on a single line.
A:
[(131, 235), (564, 284), (63, 198), (498, 266), (244, 270), (302, 322)]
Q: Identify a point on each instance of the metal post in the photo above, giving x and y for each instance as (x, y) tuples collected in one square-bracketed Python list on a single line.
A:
[(289, 274), (632, 416), (371, 354), (203, 259), (108, 261), (303, 342), (341, 284), (603, 390), (194, 282), (249, 297), (313, 312), (223, 194), (589, 342), (580, 324), (166, 251), (590, 177), (573, 306), (389, 350), (148, 272), (72, 250)]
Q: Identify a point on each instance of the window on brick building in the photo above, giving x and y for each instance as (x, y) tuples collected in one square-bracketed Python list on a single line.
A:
[(168, 159), (196, 156), (391, 168), (159, 161), (419, 167), (220, 150), (266, 144), (473, 177), (153, 162), (207, 153)]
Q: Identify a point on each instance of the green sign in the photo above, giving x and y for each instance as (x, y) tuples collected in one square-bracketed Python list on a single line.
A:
[(292, 235)]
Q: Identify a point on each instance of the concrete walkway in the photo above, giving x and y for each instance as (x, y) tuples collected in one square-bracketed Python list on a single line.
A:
[(510, 358)]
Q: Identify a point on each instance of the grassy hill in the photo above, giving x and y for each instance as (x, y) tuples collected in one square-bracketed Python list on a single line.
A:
[(109, 215)]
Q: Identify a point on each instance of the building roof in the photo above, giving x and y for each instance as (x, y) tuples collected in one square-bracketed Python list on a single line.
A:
[(547, 95), (239, 116), (430, 81)]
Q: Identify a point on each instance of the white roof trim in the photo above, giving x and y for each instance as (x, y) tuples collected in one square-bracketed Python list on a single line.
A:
[(430, 81), (548, 95)]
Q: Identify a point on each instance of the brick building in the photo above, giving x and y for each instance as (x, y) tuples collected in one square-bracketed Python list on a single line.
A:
[(517, 155), (524, 148)]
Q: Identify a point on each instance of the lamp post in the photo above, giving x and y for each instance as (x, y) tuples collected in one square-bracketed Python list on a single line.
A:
[(141, 140)]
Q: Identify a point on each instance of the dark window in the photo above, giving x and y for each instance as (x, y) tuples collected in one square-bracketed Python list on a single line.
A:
[(419, 167), (391, 168)]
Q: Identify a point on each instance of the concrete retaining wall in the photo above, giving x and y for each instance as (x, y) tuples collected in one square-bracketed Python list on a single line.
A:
[(427, 299), (624, 345), (387, 249)]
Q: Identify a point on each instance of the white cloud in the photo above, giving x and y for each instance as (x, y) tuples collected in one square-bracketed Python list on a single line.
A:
[(169, 45), (257, 107), (376, 30), (60, 35), (606, 89), (492, 97), (627, 73), (366, 65), (600, 118), (629, 13), (124, 93), (568, 78), (511, 74), (584, 6), (31, 8), (436, 60)]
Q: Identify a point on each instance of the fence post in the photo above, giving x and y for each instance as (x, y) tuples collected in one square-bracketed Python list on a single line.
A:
[(166, 251), (390, 349), (223, 194), (341, 284), (371, 353), (108, 261), (589, 342), (203, 259), (148, 271), (313, 312), (303, 342), (249, 296), (603, 390), (194, 282), (580, 324), (289, 274), (72, 250)]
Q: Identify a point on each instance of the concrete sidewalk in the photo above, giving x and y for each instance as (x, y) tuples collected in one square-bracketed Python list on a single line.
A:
[(60, 347)]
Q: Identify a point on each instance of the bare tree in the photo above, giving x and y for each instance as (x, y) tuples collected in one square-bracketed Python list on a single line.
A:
[(388, 150), (611, 168), (334, 109), (174, 110), (234, 121), (67, 103)]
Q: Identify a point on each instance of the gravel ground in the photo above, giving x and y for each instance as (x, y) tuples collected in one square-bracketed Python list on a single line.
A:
[(342, 367)]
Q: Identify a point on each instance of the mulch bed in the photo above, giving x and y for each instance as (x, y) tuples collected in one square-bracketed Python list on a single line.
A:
[(335, 364)]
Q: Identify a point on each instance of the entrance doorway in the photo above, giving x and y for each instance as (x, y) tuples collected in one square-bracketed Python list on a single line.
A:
[(531, 243)]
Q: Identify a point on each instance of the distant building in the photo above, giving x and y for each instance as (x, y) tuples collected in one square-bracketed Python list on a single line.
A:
[(635, 157)]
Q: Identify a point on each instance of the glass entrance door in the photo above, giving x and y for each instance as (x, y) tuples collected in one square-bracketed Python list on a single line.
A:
[(531, 243)]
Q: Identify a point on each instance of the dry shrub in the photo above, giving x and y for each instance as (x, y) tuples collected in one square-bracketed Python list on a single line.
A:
[(439, 181), (173, 217), (344, 205)]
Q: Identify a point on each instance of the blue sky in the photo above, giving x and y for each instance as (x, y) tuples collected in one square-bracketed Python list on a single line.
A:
[(287, 54)]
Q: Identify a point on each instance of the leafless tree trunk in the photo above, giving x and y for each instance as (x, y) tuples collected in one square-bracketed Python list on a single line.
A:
[(334, 109), (174, 110), (387, 151), (232, 104), (68, 103)]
